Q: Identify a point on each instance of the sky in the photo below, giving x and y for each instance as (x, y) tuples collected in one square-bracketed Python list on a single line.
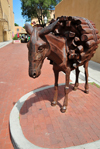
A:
[(17, 13)]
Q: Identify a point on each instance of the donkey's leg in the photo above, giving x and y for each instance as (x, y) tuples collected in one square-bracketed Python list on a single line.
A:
[(76, 82), (86, 78), (65, 104), (54, 102)]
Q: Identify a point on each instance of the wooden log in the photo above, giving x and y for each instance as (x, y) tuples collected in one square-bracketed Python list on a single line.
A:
[(71, 54), (61, 24), (79, 20), (71, 51), (86, 58), (65, 18), (98, 41), (77, 56), (69, 34), (88, 52), (86, 37), (68, 23), (85, 21), (76, 39), (90, 49), (82, 26), (56, 31), (98, 36), (62, 18), (89, 31), (80, 48), (73, 29), (82, 55), (82, 21), (90, 43), (73, 43), (86, 31), (92, 53), (70, 18), (75, 20), (87, 55)]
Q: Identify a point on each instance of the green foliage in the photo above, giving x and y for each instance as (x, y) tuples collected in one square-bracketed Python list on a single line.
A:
[(15, 37), (37, 9), (16, 24)]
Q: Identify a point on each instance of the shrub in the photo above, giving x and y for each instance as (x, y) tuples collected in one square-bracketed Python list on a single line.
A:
[(15, 37)]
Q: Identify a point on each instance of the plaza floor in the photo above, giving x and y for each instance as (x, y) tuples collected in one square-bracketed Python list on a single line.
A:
[(43, 125)]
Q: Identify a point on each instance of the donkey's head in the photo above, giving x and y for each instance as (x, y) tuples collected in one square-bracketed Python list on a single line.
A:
[(38, 47)]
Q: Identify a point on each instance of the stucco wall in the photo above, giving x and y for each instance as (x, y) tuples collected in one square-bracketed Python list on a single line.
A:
[(19, 29), (89, 9), (1, 32), (7, 27)]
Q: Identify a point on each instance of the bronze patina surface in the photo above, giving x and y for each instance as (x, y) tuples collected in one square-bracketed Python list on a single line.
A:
[(68, 42)]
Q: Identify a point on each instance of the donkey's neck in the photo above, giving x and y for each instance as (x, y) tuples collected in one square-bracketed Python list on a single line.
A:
[(56, 48)]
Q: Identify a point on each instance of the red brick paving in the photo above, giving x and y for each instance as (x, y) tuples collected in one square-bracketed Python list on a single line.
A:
[(15, 82), (48, 127), (44, 122)]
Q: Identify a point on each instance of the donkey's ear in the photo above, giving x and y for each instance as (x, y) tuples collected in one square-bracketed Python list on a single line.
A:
[(28, 28), (48, 29)]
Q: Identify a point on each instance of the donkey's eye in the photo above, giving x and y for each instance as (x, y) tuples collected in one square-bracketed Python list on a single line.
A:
[(41, 48)]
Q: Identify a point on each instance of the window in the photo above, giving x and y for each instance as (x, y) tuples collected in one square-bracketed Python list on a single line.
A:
[(17, 29)]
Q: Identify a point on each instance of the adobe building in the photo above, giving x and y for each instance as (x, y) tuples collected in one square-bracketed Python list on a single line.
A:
[(6, 20), (89, 9), (20, 30)]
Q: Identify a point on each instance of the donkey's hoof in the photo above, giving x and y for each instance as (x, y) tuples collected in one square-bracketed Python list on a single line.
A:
[(53, 103), (87, 91), (63, 109), (74, 88)]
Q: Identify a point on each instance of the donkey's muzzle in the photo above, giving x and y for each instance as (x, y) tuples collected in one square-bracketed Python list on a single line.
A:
[(33, 73)]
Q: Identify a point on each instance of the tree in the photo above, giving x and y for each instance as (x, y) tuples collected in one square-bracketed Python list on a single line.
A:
[(24, 26), (37, 9), (16, 24)]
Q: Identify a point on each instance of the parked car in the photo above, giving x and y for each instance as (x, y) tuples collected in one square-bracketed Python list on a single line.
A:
[(25, 38), (22, 39)]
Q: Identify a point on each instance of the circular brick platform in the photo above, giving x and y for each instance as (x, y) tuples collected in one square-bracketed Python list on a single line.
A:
[(45, 126)]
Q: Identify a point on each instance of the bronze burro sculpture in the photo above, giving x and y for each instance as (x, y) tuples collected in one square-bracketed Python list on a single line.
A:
[(68, 42)]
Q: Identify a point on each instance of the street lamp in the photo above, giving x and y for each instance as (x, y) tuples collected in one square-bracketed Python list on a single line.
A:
[(45, 20)]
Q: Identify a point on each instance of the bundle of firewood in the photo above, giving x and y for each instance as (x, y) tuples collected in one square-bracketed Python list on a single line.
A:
[(82, 38)]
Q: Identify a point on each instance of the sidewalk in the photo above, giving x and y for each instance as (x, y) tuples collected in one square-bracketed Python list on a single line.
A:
[(93, 70), (3, 44), (15, 83)]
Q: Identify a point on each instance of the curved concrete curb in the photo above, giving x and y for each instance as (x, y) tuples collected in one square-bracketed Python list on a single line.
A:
[(18, 139)]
